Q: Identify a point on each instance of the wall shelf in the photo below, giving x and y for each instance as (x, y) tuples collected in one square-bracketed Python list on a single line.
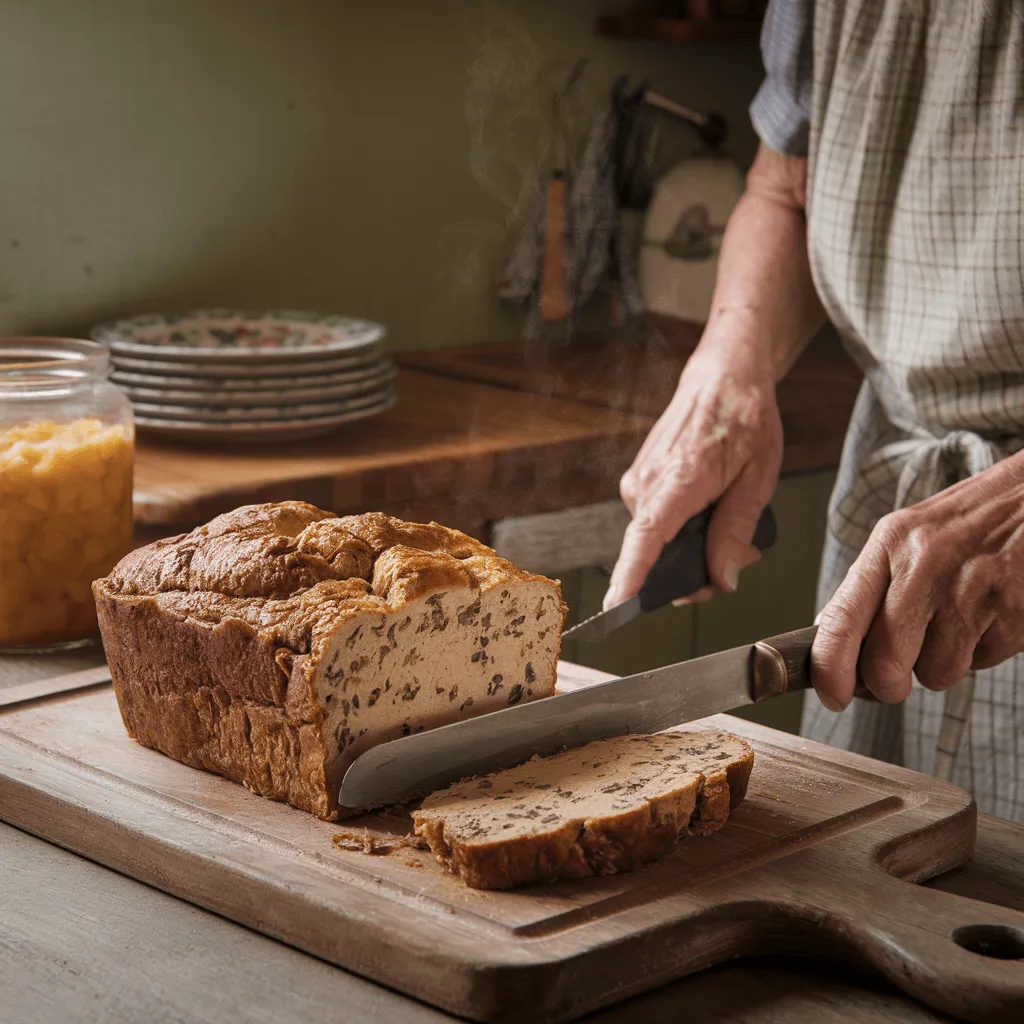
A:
[(678, 29)]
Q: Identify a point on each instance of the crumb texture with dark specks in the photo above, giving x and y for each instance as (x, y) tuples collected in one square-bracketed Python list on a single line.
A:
[(608, 807)]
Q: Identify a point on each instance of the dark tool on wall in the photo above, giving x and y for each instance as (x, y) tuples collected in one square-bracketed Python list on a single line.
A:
[(681, 570), (634, 172), (711, 129), (635, 144)]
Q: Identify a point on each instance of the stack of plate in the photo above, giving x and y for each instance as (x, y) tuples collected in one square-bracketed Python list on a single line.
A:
[(225, 375)]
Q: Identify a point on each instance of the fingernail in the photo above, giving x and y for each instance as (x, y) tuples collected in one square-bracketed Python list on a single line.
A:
[(731, 576), (817, 618), (611, 598), (830, 702)]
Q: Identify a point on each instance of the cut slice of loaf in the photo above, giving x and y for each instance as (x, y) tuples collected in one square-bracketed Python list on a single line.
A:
[(278, 642), (611, 806)]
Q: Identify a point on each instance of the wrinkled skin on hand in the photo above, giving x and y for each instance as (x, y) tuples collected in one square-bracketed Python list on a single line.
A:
[(937, 590), (719, 439)]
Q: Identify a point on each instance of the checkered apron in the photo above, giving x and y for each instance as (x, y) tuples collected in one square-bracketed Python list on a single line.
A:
[(916, 232)]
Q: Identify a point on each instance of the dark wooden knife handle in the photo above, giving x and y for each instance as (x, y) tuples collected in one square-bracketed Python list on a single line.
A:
[(782, 664), (682, 570)]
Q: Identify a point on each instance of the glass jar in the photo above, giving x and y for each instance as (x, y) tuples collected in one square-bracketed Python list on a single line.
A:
[(67, 447)]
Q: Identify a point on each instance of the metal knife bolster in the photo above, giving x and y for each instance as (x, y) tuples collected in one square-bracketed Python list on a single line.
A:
[(781, 664)]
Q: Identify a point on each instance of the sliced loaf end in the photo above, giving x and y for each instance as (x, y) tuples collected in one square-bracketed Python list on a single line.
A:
[(611, 806)]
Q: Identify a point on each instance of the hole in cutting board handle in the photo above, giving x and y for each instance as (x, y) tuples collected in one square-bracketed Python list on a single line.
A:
[(996, 941)]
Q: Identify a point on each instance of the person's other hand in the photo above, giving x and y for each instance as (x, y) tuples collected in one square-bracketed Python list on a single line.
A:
[(719, 439), (937, 590)]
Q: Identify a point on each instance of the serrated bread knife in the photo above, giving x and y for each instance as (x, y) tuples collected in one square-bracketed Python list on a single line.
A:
[(413, 766)]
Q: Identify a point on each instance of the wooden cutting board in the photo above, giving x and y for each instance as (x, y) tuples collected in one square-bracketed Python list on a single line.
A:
[(818, 859)]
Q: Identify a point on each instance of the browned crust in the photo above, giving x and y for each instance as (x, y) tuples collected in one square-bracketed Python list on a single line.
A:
[(217, 696), (598, 846), (721, 793), (211, 636), (253, 744)]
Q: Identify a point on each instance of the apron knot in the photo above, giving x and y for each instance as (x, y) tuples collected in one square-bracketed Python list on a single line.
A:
[(930, 463), (910, 465)]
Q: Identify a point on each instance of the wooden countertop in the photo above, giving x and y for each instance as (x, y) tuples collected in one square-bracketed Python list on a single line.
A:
[(85, 944), (460, 452), (486, 432), (640, 375)]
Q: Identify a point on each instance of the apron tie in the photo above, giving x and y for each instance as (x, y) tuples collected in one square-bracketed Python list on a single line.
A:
[(931, 464)]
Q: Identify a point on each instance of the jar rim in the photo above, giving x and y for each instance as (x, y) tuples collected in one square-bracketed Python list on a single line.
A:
[(50, 367), (27, 360)]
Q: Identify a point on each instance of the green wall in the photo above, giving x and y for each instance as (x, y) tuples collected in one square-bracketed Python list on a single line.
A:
[(347, 157), (342, 156)]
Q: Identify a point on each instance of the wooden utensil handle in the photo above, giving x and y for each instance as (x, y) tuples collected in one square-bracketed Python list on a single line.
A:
[(554, 302), (782, 664)]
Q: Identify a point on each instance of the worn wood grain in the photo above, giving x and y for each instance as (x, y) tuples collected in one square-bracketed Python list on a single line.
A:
[(20, 669), (809, 836), (776, 991), (487, 432), (83, 679), (995, 873), (80, 944), (640, 374), (460, 452)]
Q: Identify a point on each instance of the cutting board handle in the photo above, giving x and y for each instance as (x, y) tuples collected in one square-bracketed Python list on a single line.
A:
[(959, 955)]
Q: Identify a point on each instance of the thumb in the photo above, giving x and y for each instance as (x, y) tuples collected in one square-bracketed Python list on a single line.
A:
[(733, 524)]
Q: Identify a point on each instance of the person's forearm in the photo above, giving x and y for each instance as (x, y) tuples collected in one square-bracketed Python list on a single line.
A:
[(764, 295)]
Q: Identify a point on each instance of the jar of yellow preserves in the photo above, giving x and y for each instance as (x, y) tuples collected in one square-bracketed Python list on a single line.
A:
[(67, 448)]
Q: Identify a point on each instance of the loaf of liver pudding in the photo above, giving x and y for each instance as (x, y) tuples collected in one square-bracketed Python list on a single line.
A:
[(278, 642), (611, 806)]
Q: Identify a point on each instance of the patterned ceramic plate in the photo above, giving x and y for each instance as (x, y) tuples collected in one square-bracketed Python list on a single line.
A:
[(259, 413), (230, 336), (259, 432), (278, 397), (374, 356), (275, 383)]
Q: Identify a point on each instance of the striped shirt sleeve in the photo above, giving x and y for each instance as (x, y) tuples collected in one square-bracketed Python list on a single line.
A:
[(781, 110)]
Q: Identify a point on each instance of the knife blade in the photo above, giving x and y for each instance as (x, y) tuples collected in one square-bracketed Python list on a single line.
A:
[(681, 570), (412, 766)]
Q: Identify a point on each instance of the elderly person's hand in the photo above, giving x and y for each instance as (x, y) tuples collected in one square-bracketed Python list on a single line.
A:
[(937, 590), (719, 439)]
